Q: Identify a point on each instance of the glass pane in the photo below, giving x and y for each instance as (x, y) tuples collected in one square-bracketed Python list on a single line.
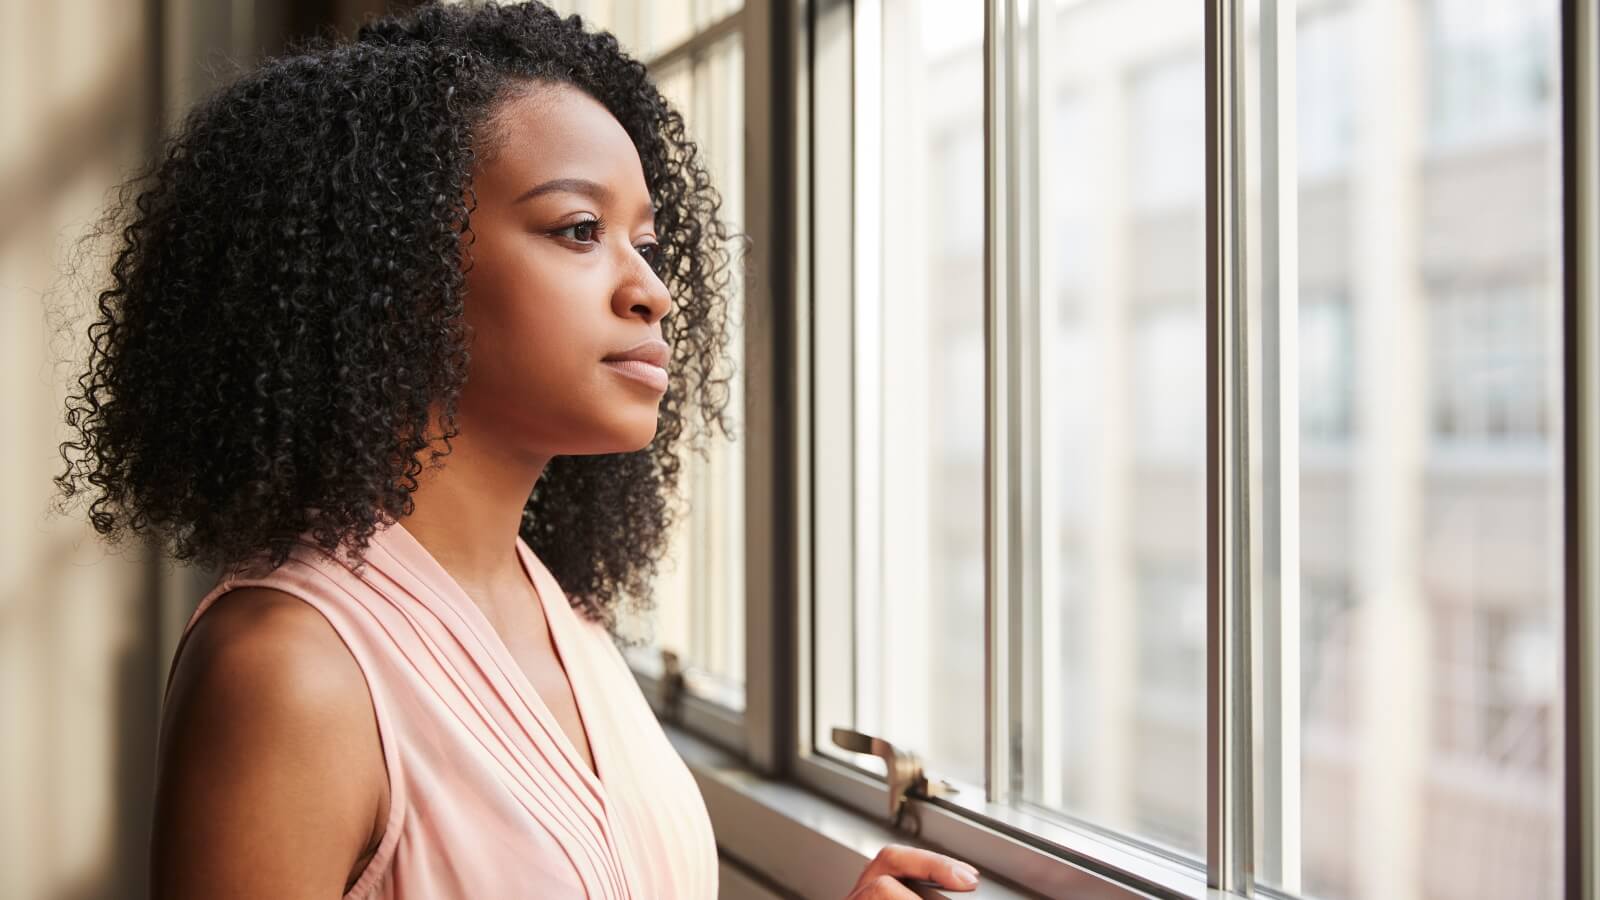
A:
[(665, 23), (623, 18), (1409, 439), (916, 673), (648, 29), (1116, 737), (712, 10), (700, 601)]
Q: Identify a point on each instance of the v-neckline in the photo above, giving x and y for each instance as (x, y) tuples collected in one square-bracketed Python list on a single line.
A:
[(566, 657)]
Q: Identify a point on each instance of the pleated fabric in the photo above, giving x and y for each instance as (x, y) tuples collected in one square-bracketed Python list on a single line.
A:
[(488, 796)]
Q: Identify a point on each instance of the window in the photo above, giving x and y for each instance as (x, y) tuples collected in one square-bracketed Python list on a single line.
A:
[(1328, 675), (1414, 517), (1165, 124), (1491, 364), (1494, 689), (1166, 729), (1129, 523), (900, 354), (1106, 720), (705, 604), (1327, 369), (1324, 74), (651, 29), (1490, 70), (1054, 555), (698, 62), (1167, 357)]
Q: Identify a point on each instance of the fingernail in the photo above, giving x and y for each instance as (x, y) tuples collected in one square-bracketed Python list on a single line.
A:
[(965, 875)]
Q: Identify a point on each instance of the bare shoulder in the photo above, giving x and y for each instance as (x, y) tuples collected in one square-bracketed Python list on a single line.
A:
[(270, 777)]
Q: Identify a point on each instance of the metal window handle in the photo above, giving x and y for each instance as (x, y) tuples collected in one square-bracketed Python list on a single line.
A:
[(672, 685), (905, 775)]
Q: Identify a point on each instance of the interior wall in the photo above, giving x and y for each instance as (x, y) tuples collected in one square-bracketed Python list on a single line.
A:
[(87, 631)]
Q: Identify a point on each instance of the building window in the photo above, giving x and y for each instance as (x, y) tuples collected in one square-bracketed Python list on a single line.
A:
[(1489, 364)]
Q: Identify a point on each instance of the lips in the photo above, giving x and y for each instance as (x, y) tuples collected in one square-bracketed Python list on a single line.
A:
[(645, 363), (654, 351)]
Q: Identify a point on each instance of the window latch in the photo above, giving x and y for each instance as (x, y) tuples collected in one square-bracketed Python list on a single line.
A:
[(906, 778), (672, 685)]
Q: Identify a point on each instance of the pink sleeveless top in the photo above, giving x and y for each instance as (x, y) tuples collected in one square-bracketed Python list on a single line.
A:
[(487, 796)]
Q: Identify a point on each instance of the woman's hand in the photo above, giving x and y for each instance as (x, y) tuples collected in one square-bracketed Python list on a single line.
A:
[(881, 879)]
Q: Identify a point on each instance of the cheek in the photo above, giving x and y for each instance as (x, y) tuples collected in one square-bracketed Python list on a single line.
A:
[(520, 342), (530, 329)]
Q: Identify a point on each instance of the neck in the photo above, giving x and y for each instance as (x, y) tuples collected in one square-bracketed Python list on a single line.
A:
[(468, 512)]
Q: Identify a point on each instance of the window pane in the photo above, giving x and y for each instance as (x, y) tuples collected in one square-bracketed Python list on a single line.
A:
[(1414, 748), (665, 23), (701, 590), (620, 17), (648, 29), (915, 675), (1118, 659)]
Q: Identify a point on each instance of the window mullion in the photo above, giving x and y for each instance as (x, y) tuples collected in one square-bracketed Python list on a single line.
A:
[(1041, 753), (1001, 561), (769, 395), (1279, 589), (1580, 32), (1228, 778), (867, 353), (800, 613)]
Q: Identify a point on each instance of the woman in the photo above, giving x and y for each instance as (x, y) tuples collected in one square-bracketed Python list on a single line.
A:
[(403, 335)]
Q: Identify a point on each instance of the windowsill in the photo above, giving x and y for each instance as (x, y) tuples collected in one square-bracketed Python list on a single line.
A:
[(723, 726), (790, 835), (788, 832)]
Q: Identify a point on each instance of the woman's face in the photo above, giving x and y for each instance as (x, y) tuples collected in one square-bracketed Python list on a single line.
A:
[(551, 294)]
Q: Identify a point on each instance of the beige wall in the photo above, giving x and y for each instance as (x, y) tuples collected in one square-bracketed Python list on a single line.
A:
[(86, 632), (77, 665)]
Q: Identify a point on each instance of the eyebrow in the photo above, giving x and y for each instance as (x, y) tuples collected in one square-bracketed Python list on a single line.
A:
[(593, 189)]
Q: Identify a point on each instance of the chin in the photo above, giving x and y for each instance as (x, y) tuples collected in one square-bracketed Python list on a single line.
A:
[(633, 436), (643, 440)]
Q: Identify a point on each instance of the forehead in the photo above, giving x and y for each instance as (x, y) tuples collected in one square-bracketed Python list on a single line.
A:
[(556, 130)]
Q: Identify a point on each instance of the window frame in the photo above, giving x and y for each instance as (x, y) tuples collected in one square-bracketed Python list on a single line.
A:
[(799, 106)]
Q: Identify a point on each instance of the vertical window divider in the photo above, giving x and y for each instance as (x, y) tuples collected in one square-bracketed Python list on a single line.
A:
[(1027, 603), (798, 692), (867, 352), (1002, 507), (1036, 659), (1580, 47), (1228, 696), (1280, 610), (770, 397)]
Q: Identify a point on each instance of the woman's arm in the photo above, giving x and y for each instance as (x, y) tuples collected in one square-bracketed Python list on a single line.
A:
[(270, 776)]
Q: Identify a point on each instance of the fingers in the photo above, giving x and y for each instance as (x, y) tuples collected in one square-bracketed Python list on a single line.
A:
[(897, 861), (882, 887), (909, 862)]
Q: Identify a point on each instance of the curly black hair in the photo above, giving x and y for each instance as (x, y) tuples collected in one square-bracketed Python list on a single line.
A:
[(285, 304)]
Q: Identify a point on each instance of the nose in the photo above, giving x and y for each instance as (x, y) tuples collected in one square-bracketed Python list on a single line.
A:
[(640, 291)]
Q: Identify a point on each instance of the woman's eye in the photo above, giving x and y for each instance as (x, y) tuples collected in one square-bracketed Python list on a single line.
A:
[(651, 254), (595, 226)]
